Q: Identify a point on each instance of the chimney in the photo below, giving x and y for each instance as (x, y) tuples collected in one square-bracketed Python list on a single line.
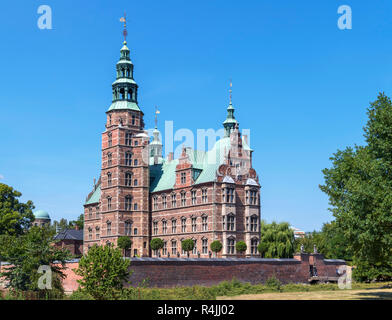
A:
[(170, 156)]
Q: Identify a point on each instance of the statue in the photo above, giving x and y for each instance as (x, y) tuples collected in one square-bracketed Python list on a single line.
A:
[(302, 248)]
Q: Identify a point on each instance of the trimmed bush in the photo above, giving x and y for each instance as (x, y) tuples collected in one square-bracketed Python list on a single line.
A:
[(216, 246), (240, 246), (187, 245)]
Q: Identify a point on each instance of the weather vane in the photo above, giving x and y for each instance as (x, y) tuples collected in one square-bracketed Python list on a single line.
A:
[(125, 32), (156, 116)]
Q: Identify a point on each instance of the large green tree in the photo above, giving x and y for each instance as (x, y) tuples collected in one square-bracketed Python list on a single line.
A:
[(27, 253), (15, 216), (359, 187), (276, 240), (103, 271)]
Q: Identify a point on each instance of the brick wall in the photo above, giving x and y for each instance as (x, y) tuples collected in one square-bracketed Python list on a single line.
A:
[(170, 272)]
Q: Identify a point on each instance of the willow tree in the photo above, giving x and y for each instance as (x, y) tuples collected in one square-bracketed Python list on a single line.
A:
[(276, 240)]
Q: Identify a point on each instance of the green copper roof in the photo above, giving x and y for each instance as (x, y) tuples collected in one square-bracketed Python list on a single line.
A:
[(121, 105), (41, 214), (95, 196)]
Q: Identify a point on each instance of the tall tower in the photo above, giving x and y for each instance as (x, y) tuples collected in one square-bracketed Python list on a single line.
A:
[(230, 122), (125, 171)]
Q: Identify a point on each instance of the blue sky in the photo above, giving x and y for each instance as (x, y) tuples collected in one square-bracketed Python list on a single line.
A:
[(300, 85)]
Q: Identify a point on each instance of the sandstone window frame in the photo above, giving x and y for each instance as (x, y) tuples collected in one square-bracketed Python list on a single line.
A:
[(230, 222), (204, 222), (183, 198), (194, 224), (204, 245), (254, 242), (128, 158), (109, 179), (254, 223), (164, 201), (164, 226), (109, 200), (155, 227), (128, 203), (204, 195), (194, 197), (183, 224), (174, 200), (174, 225), (109, 156), (174, 246), (230, 245)]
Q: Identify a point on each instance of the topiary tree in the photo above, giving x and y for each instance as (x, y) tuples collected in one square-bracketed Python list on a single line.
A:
[(103, 271), (216, 246), (156, 244), (124, 243), (240, 246), (187, 245)]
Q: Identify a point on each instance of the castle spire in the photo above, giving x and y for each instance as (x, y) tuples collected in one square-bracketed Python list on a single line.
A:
[(230, 123), (125, 89)]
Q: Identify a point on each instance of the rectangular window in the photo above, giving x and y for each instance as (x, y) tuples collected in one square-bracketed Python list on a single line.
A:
[(128, 159), (109, 179), (97, 212), (183, 225), (90, 213), (183, 177), (164, 227), (253, 246), (204, 195), (128, 140), (204, 223), (97, 235), (204, 246), (128, 228), (183, 199), (229, 195), (230, 223), (155, 224), (109, 203), (90, 234), (194, 251), (253, 224), (155, 203), (174, 247), (128, 203), (164, 249), (194, 226), (108, 228), (173, 200), (109, 159), (164, 201), (109, 139), (193, 193), (230, 246), (174, 226)]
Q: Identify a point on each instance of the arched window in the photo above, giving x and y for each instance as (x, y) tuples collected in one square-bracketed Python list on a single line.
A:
[(122, 92), (90, 233), (135, 183), (173, 200), (130, 94), (183, 224)]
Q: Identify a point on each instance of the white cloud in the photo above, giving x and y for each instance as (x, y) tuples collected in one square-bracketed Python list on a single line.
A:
[(1, 177)]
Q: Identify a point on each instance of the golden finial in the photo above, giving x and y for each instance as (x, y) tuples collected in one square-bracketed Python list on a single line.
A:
[(156, 117), (125, 32)]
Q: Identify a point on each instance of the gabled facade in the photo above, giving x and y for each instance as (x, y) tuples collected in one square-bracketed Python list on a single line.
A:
[(205, 196)]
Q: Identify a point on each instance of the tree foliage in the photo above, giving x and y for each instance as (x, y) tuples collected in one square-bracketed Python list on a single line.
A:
[(359, 187), (187, 245), (15, 216), (276, 240), (216, 246), (156, 244), (103, 271), (26, 253), (240, 246), (330, 242)]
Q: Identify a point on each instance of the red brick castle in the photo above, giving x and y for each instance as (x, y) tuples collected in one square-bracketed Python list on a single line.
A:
[(204, 196)]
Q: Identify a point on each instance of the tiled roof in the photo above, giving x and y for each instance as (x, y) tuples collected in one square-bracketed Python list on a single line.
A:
[(70, 234)]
